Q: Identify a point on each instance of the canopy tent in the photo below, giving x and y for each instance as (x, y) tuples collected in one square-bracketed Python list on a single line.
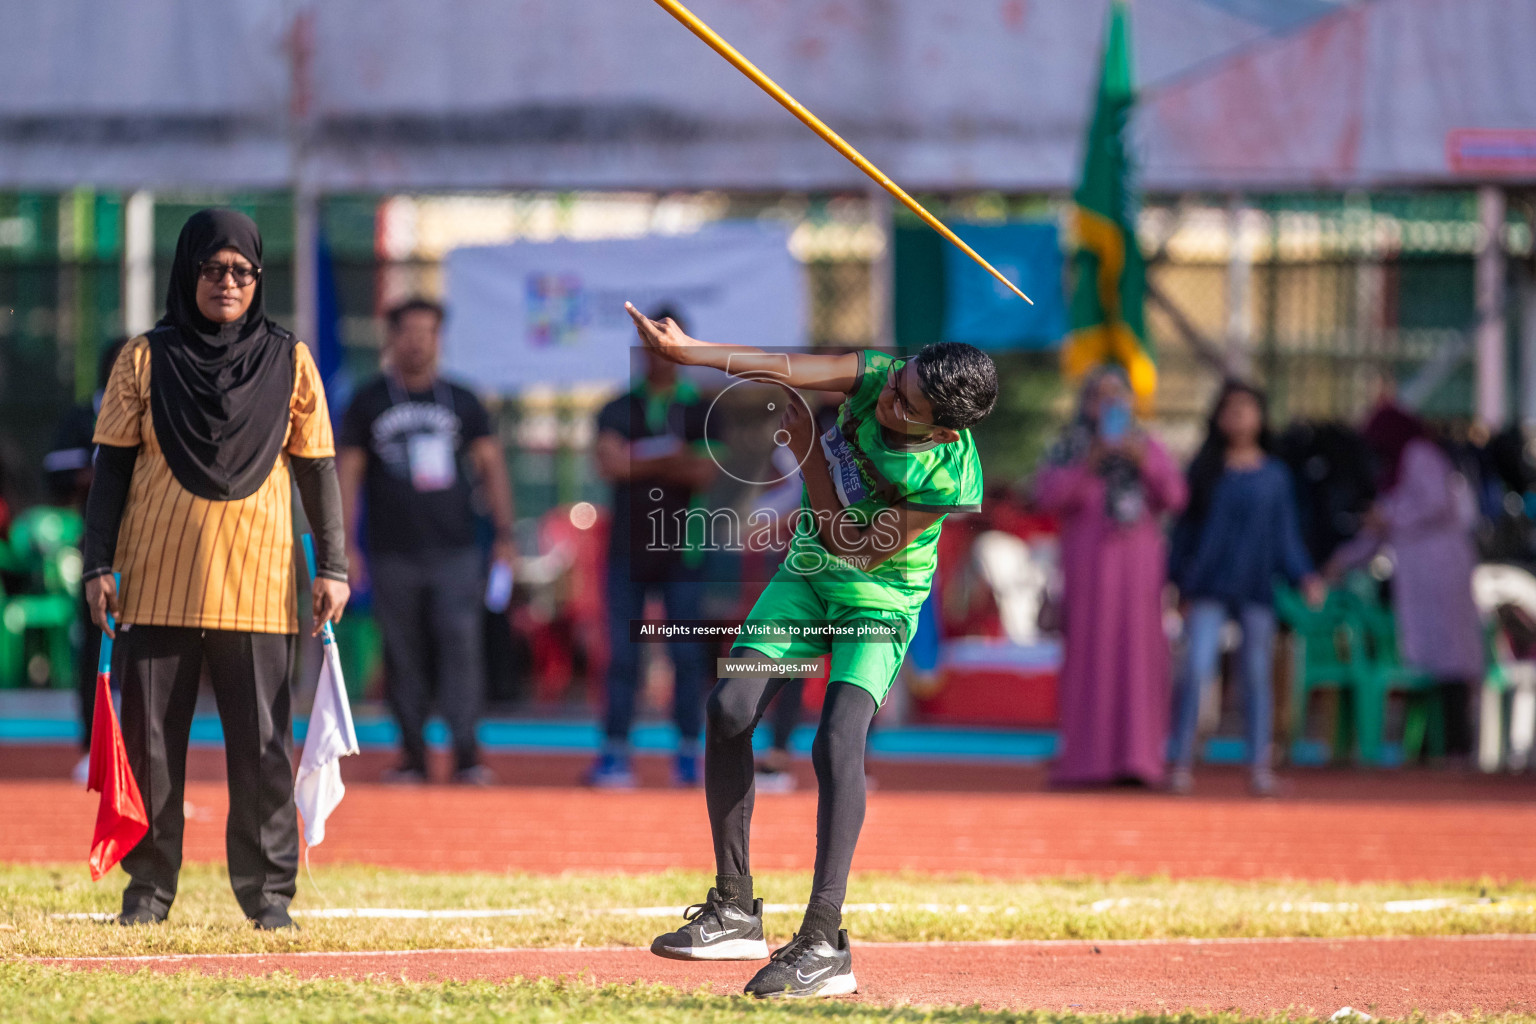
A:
[(1389, 92), (403, 95)]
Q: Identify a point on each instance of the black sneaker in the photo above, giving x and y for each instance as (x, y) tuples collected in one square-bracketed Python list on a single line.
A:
[(807, 967), (717, 929)]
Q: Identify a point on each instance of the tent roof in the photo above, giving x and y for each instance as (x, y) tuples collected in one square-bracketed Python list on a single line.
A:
[(486, 94), (1388, 92)]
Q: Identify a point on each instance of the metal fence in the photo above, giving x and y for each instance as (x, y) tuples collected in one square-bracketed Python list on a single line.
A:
[(1324, 298), (1316, 296)]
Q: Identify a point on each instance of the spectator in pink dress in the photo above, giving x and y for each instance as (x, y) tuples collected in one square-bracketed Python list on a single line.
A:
[(1110, 484)]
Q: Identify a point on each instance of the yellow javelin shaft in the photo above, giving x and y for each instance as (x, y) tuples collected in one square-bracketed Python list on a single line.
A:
[(815, 124)]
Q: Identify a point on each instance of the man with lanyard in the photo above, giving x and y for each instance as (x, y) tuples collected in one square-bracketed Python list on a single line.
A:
[(421, 450), (651, 447)]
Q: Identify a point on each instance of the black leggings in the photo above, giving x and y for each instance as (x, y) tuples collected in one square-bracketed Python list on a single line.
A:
[(734, 708)]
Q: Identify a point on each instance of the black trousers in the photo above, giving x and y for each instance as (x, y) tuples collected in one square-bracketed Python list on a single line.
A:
[(160, 667), (786, 712), (430, 611), (733, 711)]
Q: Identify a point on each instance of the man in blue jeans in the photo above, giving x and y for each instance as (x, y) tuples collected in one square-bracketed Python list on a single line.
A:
[(651, 447)]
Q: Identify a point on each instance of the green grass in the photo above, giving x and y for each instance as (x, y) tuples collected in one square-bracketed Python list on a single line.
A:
[(35, 995), (206, 919)]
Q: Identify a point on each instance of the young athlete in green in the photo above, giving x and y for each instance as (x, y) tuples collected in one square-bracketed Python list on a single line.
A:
[(876, 489)]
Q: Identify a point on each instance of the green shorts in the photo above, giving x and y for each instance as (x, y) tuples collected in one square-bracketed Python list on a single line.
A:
[(789, 600)]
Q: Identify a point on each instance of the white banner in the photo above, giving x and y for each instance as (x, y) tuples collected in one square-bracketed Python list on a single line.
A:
[(552, 313)]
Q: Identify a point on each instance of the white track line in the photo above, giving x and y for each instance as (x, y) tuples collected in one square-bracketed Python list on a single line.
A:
[(1102, 906), (539, 950)]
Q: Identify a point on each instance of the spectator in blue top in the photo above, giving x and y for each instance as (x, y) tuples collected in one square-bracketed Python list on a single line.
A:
[(1238, 534)]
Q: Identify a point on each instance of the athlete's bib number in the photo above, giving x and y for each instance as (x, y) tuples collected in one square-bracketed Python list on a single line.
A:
[(845, 469), (431, 459)]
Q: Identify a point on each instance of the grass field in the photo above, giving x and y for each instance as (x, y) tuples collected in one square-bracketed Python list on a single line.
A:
[(41, 995), (576, 910)]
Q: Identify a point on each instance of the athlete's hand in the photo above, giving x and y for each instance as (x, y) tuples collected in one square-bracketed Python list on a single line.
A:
[(662, 337), (100, 598), (797, 428), (330, 597)]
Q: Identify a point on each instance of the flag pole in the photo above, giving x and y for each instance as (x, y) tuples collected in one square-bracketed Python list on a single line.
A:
[(328, 638), (327, 634), (104, 657), (715, 42), (330, 736), (121, 820)]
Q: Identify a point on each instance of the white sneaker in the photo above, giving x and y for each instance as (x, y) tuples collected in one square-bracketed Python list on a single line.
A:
[(768, 780), (1263, 784), (1181, 782)]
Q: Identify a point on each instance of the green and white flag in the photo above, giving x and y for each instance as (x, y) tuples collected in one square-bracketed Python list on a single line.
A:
[(1107, 322)]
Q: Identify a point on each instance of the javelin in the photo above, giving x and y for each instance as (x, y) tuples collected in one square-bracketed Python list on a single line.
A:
[(815, 124)]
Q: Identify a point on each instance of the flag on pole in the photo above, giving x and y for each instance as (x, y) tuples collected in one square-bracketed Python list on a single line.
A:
[(317, 790), (1107, 322), (120, 817)]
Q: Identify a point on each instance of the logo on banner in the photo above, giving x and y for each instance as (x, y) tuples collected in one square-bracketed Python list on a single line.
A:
[(558, 309)]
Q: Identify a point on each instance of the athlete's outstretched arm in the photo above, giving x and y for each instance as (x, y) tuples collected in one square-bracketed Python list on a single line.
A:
[(798, 370)]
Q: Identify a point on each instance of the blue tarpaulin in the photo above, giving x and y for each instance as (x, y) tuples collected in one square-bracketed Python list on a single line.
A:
[(980, 311)]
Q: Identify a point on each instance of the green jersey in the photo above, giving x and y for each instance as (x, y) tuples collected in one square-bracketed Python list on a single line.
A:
[(871, 476)]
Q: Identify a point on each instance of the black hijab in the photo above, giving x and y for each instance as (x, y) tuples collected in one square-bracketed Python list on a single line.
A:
[(219, 393)]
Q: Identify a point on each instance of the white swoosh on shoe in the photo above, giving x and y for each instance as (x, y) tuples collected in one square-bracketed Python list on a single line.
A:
[(709, 936), (806, 979)]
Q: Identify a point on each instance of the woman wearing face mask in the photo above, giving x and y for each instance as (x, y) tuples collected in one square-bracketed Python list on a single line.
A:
[(1239, 535), (206, 423), (1109, 483)]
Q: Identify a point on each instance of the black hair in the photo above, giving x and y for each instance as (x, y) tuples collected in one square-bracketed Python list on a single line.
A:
[(960, 382), (666, 310), (417, 304), (1211, 461)]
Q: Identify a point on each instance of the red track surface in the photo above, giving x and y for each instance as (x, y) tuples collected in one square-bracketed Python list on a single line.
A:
[(1399, 826), (996, 821), (1384, 977)]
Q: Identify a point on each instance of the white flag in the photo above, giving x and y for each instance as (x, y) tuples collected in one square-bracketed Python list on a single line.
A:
[(318, 788)]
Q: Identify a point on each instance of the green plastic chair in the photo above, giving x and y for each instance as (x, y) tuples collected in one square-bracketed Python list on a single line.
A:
[(50, 615), (43, 546), (1384, 673), (1327, 649)]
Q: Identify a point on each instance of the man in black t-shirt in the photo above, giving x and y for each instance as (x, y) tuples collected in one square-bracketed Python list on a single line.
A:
[(651, 447), (414, 447)]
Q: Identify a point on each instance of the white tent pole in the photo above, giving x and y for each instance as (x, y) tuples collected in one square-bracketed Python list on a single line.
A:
[(1527, 299), (306, 200), (306, 216), (1239, 292), (1492, 361), (139, 262), (882, 271)]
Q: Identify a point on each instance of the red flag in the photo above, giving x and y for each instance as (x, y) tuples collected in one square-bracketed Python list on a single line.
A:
[(120, 820)]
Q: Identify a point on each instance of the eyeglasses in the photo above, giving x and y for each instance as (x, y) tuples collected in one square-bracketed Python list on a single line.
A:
[(900, 400), (214, 273)]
